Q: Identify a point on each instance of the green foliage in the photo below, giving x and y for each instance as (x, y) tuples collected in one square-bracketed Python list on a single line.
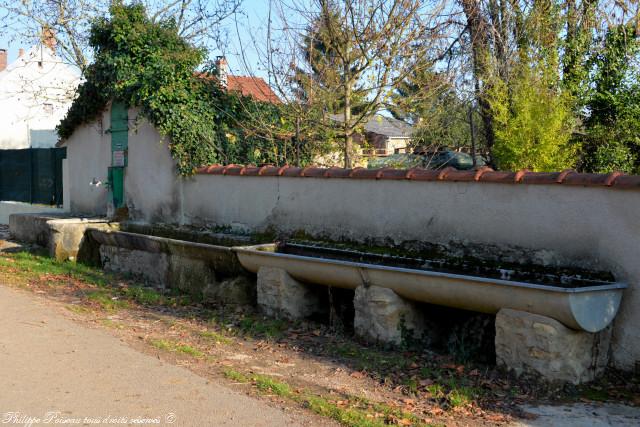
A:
[(148, 65), (612, 110), (611, 155), (533, 124)]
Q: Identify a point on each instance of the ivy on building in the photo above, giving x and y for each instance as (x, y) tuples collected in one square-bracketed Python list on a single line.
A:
[(148, 65)]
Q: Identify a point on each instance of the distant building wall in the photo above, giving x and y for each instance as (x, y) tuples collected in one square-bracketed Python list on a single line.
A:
[(36, 90)]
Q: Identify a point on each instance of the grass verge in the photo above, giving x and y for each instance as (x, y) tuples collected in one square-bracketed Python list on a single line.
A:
[(347, 410), (174, 346)]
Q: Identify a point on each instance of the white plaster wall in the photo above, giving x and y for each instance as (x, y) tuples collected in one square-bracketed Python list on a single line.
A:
[(66, 195), (151, 179), (88, 156), (151, 184), (594, 227)]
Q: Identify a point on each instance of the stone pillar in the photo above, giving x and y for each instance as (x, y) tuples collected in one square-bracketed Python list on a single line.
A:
[(281, 296), (384, 317), (532, 344)]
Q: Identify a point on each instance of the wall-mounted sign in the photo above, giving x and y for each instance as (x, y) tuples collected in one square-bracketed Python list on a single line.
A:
[(118, 159)]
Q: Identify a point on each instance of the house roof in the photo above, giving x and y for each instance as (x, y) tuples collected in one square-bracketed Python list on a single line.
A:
[(388, 126), (254, 87), (383, 125)]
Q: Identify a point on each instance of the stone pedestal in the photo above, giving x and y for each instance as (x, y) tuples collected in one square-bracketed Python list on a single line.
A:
[(281, 296), (384, 317), (533, 344)]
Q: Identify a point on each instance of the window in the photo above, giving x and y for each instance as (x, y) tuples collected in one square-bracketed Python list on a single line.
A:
[(48, 108)]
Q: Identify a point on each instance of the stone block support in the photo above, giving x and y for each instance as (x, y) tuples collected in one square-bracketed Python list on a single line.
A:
[(532, 344), (383, 316), (281, 296)]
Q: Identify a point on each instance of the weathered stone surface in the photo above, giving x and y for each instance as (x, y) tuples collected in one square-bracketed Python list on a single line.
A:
[(281, 296), (239, 290), (66, 235), (534, 344), (190, 275), (383, 316), (151, 268), (30, 228), (62, 236)]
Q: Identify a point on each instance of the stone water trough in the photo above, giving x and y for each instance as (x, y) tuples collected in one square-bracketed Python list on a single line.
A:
[(577, 302), (206, 270)]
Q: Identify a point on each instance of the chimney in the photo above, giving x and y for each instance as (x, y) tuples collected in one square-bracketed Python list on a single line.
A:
[(48, 37), (223, 70), (20, 52), (3, 59)]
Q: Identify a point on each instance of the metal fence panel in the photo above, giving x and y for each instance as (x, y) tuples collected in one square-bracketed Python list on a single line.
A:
[(32, 175)]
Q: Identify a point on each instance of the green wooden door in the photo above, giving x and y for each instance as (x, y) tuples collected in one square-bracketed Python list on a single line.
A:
[(119, 151)]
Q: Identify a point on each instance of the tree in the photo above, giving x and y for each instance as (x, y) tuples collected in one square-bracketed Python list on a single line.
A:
[(612, 108), (198, 21), (580, 17), (533, 124), (354, 52), (479, 33), (429, 101)]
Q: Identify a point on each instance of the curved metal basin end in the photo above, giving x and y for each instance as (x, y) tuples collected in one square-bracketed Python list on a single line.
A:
[(589, 308)]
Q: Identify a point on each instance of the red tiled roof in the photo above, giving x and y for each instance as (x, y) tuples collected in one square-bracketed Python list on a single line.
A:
[(254, 87), (482, 175)]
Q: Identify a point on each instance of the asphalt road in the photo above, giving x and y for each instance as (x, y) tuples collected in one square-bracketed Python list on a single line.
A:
[(53, 371)]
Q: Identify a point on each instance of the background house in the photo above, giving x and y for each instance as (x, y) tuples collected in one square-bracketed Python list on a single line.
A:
[(382, 136), (386, 135), (36, 91)]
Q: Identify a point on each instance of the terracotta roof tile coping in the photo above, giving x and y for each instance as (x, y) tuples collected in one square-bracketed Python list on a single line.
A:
[(483, 174)]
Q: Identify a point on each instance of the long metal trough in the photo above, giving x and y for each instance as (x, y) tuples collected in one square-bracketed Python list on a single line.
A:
[(588, 308)]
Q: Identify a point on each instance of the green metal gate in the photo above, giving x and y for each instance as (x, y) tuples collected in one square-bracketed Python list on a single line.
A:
[(33, 175)]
